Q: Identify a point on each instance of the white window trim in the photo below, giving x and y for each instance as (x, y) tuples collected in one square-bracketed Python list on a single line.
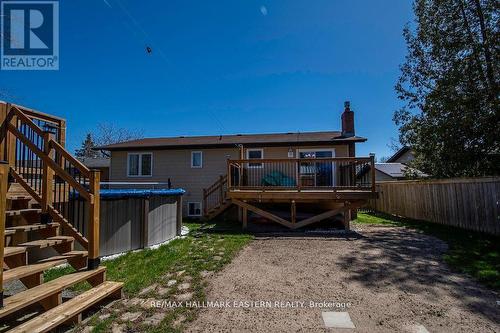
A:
[(195, 202), (140, 165), (261, 165), (194, 152)]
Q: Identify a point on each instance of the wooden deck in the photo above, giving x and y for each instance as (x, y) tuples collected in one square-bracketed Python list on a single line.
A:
[(337, 185)]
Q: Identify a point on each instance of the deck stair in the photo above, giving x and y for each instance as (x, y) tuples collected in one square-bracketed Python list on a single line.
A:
[(37, 232), (215, 199)]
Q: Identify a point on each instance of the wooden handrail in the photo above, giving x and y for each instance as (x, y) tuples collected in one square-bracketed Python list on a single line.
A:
[(348, 173), (54, 160), (82, 168), (58, 169), (321, 159)]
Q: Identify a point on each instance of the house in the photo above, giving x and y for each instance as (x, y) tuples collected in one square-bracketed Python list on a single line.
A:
[(404, 155), (246, 168), (396, 171), (98, 163)]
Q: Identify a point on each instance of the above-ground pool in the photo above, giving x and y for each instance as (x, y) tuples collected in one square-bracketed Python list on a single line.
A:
[(137, 218)]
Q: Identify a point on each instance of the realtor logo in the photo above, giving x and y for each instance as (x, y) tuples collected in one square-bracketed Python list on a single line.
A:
[(29, 35)]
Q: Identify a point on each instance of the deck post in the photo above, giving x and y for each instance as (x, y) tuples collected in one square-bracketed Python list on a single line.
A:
[(244, 213), (94, 217), (205, 202), (47, 179), (372, 169), (11, 139), (294, 212), (347, 216), (221, 190), (4, 173)]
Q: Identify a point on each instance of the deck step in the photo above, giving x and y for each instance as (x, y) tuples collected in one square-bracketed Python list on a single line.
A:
[(28, 297), (17, 202), (48, 242), (67, 255), (24, 271), (22, 211), (13, 250), (70, 309), (29, 227)]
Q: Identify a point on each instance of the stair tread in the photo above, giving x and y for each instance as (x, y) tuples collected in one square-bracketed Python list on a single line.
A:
[(38, 293), (31, 227), (23, 271), (65, 256), (47, 242), (22, 211), (61, 313), (12, 250)]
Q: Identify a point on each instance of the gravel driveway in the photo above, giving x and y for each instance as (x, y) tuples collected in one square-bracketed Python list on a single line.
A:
[(387, 279)]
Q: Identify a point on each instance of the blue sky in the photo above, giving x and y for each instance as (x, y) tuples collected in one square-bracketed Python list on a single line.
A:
[(222, 67)]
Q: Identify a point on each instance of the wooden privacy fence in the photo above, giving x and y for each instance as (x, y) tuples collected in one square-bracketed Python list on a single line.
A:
[(471, 203)]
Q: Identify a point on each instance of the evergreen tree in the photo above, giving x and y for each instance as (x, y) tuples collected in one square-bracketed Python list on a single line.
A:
[(86, 150)]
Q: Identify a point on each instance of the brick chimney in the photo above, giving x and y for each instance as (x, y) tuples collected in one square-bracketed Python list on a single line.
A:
[(347, 120)]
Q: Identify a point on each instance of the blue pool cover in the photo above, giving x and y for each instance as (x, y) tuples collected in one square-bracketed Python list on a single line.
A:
[(136, 193)]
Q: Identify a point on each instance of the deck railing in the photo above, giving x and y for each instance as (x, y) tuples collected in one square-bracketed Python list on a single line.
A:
[(307, 174), (215, 195), (67, 190)]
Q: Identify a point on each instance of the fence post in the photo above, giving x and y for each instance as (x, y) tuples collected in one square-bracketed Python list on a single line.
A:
[(4, 172), (372, 169), (94, 218), (47, 179)]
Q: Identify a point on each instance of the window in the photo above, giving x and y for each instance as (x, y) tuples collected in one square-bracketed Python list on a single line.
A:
[(255, 154), (196, 159), (140, 165), (194, 208)]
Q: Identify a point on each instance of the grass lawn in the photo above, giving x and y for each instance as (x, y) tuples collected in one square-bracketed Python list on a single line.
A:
[(203, 251), (469, 252)]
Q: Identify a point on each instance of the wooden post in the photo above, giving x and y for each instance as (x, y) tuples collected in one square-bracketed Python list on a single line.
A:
[(294, 212), (372, 169), (4, 173), (179, 215), (10, 144), (93, 226), (297, 173), (221, 190), (347, 217), (205, 202), (47, 179), (244, 217)]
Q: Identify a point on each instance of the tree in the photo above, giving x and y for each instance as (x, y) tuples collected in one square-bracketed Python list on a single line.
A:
[(87, 148), (105, 134), (108, 134), (449, 83)]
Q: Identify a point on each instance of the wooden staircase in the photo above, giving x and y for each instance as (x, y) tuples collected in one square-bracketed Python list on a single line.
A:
[(48, 208), (215, 199)]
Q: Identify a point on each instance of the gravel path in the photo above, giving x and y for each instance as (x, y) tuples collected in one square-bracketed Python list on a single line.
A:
[(387, 279)]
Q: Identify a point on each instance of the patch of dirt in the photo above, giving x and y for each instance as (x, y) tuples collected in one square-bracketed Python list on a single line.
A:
[(392, 278)]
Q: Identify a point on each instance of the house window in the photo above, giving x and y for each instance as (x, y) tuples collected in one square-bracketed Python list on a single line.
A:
[(194, 208), (255, 154), (196, 159), (140, 165)]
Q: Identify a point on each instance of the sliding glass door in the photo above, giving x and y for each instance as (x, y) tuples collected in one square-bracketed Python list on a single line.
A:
[(316, 174)]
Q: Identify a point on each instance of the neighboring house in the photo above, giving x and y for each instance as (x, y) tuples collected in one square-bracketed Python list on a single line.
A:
[(396, 167), (98, 163), (395, 171), (194, 163), (404, 155)]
